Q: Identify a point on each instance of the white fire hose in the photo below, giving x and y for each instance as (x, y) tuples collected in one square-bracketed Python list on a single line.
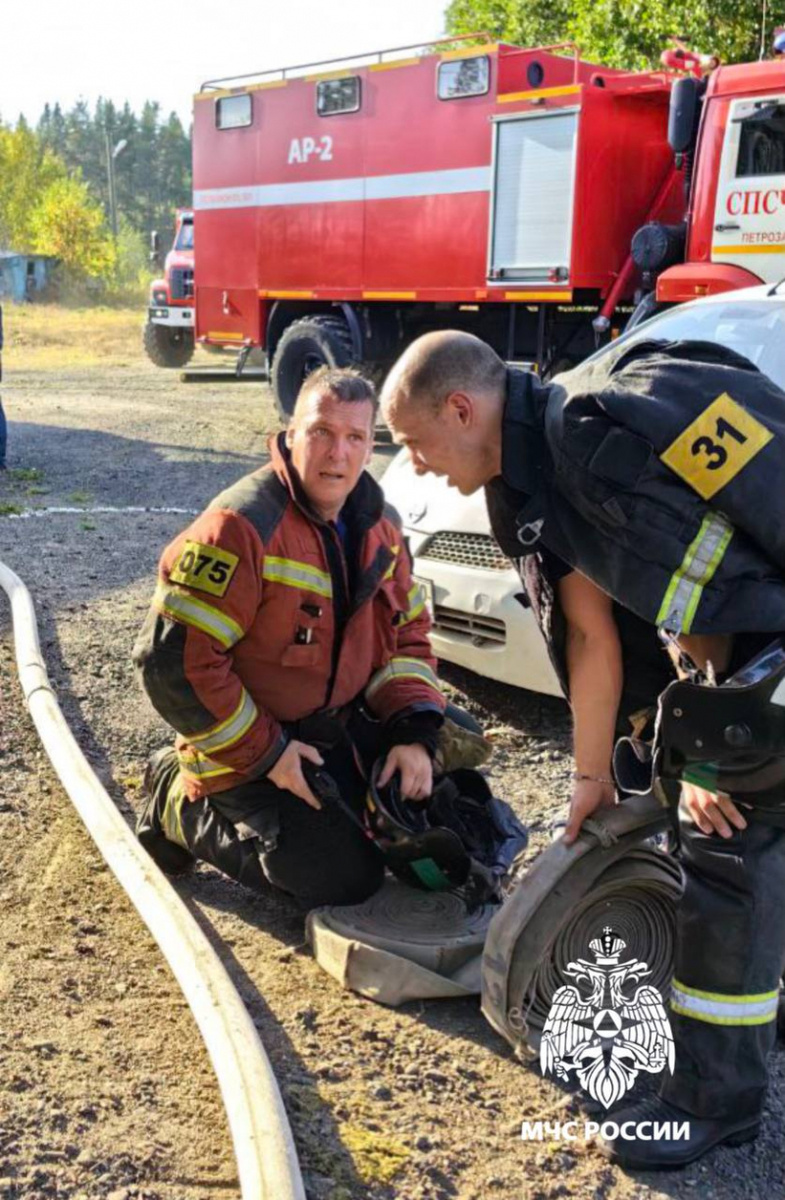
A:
[(264, 1148)]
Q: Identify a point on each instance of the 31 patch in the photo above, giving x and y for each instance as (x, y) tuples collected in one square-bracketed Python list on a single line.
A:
[(205, 568), (714, 448)]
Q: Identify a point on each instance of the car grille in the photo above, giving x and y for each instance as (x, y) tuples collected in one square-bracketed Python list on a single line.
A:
[(181, 283), (465, 549), (476, 628)]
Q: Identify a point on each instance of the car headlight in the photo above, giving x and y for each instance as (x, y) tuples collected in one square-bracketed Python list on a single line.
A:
[(159, 296)]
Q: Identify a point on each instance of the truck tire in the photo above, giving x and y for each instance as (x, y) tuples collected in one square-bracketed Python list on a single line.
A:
[(167, 347), (305, 346)]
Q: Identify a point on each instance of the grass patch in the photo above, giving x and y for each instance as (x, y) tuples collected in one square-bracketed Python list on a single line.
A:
[(80, 497), (26, 475), (87, 526), (377, 1157), (8, 510), (41, 337)]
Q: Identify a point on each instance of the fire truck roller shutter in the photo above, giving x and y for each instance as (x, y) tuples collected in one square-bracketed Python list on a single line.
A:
[(304, 346)]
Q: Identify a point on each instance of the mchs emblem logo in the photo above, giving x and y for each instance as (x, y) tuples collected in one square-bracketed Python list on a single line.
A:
[(600, 1031)]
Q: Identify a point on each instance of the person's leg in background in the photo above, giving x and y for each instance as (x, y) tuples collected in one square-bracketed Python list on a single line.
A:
[(3, 437)]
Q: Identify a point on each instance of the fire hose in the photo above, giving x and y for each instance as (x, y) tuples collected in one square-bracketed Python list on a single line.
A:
[(611, 874), (264, 1147)]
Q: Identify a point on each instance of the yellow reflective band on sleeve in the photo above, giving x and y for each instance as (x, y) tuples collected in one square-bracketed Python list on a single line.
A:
[(297, 575), (229, 731), (179, 605), (402, 668), (703, 556), (416, 599), (716, 1008), (199, 767), (388, 574)]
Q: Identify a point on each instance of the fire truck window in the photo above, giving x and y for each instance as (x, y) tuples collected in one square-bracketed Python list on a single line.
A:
[(762, 142), (185, 238), (233, 112), (464, 77), (335, 96)]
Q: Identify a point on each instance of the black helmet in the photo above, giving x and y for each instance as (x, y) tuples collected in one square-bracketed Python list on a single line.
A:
[(460, 838), (729, 738)]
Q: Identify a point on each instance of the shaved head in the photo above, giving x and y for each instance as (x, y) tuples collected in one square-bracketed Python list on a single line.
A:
[(437, 364), (443, 400)]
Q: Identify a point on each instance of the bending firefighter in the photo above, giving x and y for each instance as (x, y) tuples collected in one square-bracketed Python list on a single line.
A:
[(287, 637), (646, 478)]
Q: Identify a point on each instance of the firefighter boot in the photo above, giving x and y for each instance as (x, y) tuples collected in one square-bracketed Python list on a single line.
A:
[(160, 775), (648, 1152)]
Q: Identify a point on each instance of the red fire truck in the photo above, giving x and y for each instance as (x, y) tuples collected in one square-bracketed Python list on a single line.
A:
[(168, 332), (727, 128), (342, 211)]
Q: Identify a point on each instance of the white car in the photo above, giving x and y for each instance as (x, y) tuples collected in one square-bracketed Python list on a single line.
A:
[(475, 596)]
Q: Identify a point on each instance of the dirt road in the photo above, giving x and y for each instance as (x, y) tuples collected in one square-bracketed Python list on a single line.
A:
[(106, 1091)]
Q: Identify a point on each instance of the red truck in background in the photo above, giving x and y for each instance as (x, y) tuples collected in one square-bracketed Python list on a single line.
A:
[(727, 129), (342, 211), (168, 332)]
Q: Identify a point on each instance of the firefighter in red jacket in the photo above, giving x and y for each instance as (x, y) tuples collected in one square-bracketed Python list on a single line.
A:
[(286, 634)]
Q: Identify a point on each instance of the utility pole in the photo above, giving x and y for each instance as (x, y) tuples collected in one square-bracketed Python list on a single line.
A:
[(111, 154)]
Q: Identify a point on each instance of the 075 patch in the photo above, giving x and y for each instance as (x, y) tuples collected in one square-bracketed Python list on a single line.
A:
[(205, 568), (714, 448)]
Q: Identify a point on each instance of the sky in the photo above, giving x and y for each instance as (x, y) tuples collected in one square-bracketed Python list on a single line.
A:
[(137, 50)]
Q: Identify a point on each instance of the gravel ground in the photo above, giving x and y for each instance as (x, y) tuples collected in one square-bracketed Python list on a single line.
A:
[(106, 1090)]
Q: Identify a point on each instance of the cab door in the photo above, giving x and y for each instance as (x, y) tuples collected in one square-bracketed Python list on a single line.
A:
[(749, 216)]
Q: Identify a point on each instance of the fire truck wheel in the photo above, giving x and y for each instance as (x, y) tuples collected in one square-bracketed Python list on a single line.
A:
[(167, 347), (305, 346)]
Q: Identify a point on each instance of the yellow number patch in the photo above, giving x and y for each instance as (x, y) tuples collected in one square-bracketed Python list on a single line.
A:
[(206, 568), (714, 448)]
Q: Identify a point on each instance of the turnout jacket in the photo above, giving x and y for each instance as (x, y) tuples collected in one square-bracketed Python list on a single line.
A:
[(658, 473), (261, 617)]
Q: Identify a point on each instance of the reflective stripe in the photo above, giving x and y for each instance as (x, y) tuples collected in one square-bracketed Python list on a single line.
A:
[(388, 574), (230, 730), (402, 668), (180, 605), (704, 555), (717, 1009), (297, 575), (199, 767), (451, 181), (416, 598)]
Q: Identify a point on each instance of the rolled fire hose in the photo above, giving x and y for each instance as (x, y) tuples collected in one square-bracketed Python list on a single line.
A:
[(608, 876), (264, 1147)]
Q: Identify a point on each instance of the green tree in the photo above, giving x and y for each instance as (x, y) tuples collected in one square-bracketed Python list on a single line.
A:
[(68, 224), (27, 169), (629, 34)]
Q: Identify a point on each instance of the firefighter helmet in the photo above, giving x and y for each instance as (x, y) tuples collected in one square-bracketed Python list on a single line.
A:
[(460, 838), (729, 738)]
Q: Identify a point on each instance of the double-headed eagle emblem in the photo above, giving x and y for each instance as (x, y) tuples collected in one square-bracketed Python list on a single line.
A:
[(606, 1036)]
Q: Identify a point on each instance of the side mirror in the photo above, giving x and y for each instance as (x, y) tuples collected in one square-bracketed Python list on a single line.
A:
[(684, 112), (155, 249)]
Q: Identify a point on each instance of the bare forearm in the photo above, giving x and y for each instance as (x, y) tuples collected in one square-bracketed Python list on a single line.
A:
[(595, 670)]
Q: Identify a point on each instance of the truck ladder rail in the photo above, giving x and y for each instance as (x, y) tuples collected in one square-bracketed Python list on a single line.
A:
[(378, 55)]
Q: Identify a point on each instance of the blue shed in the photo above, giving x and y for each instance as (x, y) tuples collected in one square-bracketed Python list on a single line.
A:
[(22, 275)]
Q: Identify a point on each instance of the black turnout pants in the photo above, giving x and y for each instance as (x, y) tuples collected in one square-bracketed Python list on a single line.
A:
[(260, 835), (730, 950)]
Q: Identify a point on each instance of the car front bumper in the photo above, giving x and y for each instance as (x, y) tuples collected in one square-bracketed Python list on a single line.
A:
[(480, 619)]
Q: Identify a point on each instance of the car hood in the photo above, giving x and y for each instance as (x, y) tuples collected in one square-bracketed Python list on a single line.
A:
[(427, 504)]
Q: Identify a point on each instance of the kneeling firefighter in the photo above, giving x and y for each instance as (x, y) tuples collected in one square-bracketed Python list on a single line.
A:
[(650, 473), (287, 633)]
